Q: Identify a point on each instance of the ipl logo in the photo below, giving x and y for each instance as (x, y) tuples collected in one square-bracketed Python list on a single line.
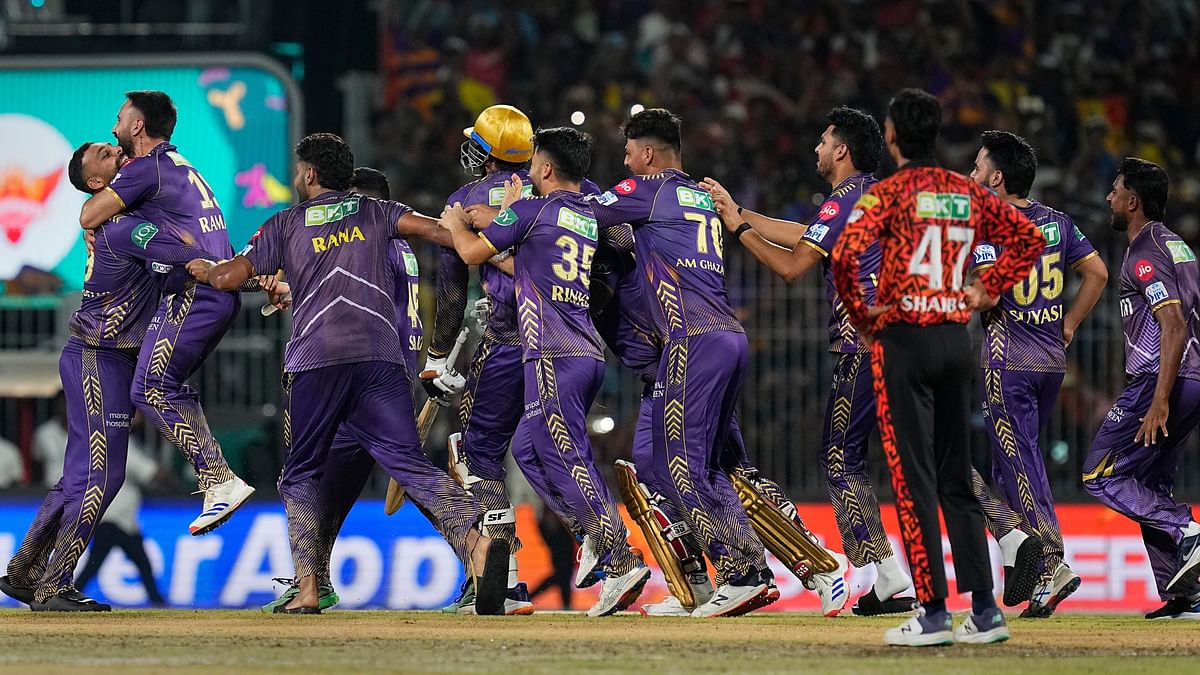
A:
[(39, 210)]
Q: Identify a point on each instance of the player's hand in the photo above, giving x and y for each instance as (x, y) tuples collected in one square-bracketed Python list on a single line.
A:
[(723, 203), (280, 294), (440, 388), (977, 298), (512, 191), (865, 331), (199, 269), (481, 312), (454, 218), (481, 215), (1154, 421), (1068, 335), (89, 240)]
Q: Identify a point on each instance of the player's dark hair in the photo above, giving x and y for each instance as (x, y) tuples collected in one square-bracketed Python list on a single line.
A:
[(330, 156), (372, 182), (917, 116), (75, 169), (157, 110), (657, 123), (860, 132), (569, 150), (1149, 182), (1014, 158)]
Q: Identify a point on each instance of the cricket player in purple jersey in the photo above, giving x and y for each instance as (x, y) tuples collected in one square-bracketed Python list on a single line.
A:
[(678, 246), (349, 466), (1024, 357), (847, 155), (346, 365), (554, 238), (169, 192), (1132, 463), (131, 256)]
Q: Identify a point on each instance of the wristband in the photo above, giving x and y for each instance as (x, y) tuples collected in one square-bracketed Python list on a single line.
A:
[(737, 234)]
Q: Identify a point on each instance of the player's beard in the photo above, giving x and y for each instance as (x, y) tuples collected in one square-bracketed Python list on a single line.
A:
[(126, 144), (824, 167), (1119, 222)]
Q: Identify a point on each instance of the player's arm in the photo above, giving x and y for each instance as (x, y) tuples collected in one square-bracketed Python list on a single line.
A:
[(99, 208), (224, 276), (863, 227), (1022, 244), (784, 233), (1095, 278), (471, 246), (413, 224), (453, 277), (263, 252), (789, 264), (1171, 341)]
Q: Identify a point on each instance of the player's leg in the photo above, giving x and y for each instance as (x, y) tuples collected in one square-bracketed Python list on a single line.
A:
[(964, 516), (186, 329), (381, 419), (904, 403), (845, 438), (1021, 552), (703, 376), (560, 392), (29, 562), (96, 385)]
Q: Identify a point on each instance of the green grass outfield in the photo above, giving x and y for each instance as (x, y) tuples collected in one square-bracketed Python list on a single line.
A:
[(179, 641)]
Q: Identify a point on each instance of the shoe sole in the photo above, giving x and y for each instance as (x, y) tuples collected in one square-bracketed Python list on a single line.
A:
[(987, 637), (521, 611), (298, 610), (1047, 610), (628, 597), (757, 602), (491, 587), (931, 640), (890, 606), (1025, 573), (223, 518), (1185, 577)]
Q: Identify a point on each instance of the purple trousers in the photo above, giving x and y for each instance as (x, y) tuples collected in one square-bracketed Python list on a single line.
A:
[(96, 387), (1135, 480), (186, 329)]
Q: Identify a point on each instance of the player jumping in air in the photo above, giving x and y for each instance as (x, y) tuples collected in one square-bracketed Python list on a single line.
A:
[(926, 221), (1132, 463)]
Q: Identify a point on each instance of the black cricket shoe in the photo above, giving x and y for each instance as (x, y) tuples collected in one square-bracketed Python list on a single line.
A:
[(70, 600), (18, 593), (1174, 607), (1022, 577), (869, 604)]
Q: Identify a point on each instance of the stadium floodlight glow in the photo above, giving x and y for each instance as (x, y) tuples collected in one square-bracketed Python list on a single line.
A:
[(578, 117), (603, 425), (635, 109)]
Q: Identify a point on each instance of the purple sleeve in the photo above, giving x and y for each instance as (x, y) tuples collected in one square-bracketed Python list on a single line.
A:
[(393, 212), (265, 249), (630, 201), (136, 182), (828, 224), (1078, 247), (1154, 275), (512, 224), (453, 277)]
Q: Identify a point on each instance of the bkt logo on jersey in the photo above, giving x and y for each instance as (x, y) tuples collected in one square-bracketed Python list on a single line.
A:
[(1050, 232), (496, 194), (327, 213), (577, 223), (943, 205), (694, 198)]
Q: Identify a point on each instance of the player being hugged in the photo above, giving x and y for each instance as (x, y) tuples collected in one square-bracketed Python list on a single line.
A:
[(554, 238)]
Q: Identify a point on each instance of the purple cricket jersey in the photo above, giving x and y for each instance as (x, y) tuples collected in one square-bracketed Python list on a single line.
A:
[(554, 237), (821, 235), (333, 249), (1024, 330), (626, 322), (679, 247), (1159, 269), (167, 191), (407, 290), (121, 286)]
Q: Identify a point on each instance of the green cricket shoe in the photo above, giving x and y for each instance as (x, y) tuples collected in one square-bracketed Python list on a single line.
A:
[(466, 596), (329, 597)]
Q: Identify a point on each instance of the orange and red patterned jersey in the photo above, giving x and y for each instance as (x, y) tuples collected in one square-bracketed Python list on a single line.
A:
[(927, 221)]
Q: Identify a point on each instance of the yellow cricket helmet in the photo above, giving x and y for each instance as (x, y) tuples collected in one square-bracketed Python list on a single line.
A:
[(500, 131)]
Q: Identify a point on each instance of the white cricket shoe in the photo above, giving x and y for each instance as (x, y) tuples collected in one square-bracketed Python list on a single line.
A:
[(617, 593), (831, 586), (730, 600), (220, 501), (983, 628), (669, 607), (922, 631), (586, 574), (1050, 592)]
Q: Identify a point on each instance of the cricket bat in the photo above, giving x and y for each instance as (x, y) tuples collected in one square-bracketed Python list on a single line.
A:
[(395, 494), (269, 309)]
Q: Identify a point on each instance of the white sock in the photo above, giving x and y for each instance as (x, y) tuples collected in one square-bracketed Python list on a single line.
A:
[(512, 571), (889, 578), (1009, 544)]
